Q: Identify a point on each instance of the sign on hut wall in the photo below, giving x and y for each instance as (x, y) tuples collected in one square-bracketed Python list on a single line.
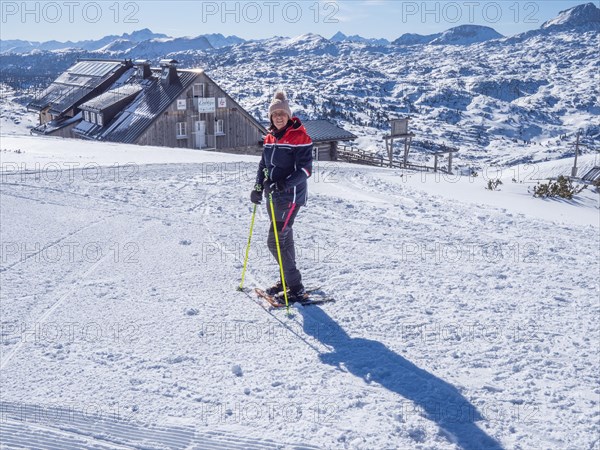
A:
[(222, 102), (206, 105)]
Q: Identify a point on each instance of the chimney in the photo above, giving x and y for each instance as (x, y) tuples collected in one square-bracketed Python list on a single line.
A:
[(143, 71), (168, 71)]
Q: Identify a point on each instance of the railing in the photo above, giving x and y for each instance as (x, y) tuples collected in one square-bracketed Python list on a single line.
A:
[(357, 156)]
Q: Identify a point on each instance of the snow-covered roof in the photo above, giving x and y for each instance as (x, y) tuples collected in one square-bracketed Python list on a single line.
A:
[(56, 124), (112, 97), (76, 84), (322, 130), (151, 99)]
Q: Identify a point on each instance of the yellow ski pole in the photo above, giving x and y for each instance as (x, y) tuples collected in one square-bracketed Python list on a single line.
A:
[(274, 223), (241, 286)]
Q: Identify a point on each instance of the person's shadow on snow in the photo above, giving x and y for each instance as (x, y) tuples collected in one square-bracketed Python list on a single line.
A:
[(426, 394)]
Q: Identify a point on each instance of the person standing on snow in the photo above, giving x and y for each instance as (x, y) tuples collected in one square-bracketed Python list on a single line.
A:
[(284, 168)]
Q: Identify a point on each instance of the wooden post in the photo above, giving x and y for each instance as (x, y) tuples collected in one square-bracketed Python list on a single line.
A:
[(387, 149), (391, 151), (435, 163), (406, 147), (450, 162), (574, 169)]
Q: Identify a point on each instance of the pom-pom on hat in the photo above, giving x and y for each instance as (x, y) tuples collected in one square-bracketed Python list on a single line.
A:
[(280, 102)]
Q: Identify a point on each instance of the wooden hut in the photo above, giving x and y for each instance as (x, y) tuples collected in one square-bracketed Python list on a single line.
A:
[(163, 106)]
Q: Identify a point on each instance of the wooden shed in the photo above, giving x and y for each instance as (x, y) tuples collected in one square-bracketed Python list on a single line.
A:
[(325, 136)]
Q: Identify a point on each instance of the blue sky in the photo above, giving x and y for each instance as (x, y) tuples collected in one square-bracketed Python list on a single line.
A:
[(77, 20)]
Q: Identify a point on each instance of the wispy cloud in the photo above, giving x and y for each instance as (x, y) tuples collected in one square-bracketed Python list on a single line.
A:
[(349, 11)]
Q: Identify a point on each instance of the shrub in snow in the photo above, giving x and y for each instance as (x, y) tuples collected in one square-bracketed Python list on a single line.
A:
[(493, 184), (563, 187)]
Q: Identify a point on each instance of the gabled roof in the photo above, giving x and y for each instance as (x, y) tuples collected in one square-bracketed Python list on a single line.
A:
[(75, 85), (112, 97), (322, 130), (151, 102)]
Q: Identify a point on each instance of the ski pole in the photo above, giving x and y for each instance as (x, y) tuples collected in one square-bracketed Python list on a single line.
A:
[(274, 223), (241, 286)]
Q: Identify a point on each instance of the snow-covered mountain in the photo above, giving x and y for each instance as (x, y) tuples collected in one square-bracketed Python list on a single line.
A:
[(155, 47), (119, 46), (217, 40), (142, 35), (579, 19), (341, 37), (460, 35), (533, 90), (531, 93), (136, 36), (20, 46), (17, 46), (159, 47), (150, 42), (466, 35), (306, 44), (415, 39), (582, 15)]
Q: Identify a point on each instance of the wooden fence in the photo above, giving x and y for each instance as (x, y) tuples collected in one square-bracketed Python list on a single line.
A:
[(357, 156)]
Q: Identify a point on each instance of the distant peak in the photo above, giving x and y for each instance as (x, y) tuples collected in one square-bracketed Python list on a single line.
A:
[(466, 35), (338, 37), (142, 35), (341, 37), (308, 37), (470, 28), (312, 35), (578, 15)]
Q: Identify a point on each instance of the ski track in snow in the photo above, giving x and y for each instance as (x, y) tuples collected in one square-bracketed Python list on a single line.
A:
[(441, 307), (63, 427)]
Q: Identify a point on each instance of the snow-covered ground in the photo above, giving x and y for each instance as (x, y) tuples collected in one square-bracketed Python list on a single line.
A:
[(465, 318), (14, 117)]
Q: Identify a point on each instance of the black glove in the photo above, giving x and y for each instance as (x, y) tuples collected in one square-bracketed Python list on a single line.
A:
[(274, 186), (256, 194)]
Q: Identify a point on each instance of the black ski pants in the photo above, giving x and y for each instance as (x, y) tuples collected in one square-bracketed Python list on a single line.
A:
[(285, 213)]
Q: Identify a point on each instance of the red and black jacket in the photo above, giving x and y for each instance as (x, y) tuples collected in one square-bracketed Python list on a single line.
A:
[(287, 156)]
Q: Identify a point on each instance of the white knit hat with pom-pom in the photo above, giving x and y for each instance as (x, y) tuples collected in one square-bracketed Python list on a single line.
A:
[(280, 102)]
